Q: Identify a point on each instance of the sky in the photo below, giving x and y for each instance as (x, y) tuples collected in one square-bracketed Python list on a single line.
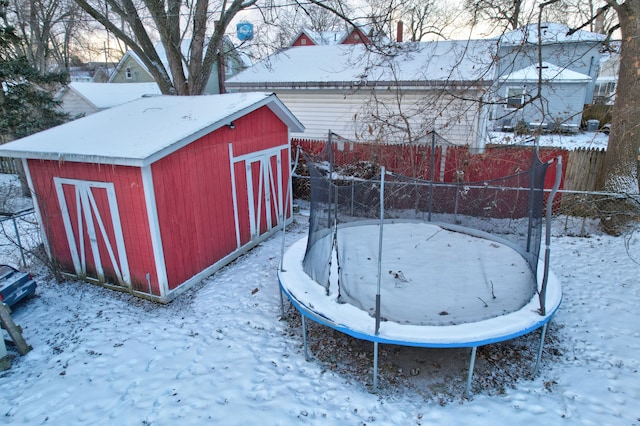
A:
[(224, 353)]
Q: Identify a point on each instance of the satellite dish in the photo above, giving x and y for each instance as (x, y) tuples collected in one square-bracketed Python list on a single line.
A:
[(244, 31)]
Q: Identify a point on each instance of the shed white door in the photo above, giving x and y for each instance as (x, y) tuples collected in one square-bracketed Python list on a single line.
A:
[(93, 228), (265, 198)]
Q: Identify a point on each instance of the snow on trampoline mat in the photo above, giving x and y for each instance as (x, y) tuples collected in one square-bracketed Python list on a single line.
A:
[(439, 286)]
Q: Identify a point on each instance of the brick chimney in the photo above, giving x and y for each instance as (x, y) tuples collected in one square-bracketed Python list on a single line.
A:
[(399, 31)]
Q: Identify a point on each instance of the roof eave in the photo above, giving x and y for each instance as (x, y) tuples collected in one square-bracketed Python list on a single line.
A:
[(271, 101), (357, 84)]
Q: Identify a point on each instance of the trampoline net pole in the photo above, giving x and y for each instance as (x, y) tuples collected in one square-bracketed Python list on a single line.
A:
[(380, 249), (547, 240)]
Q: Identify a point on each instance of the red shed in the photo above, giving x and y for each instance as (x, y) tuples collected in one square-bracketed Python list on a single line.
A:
[(154, 195)]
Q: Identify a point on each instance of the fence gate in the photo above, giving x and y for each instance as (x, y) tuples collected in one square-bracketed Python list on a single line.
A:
[(93, 228), (264, 186)]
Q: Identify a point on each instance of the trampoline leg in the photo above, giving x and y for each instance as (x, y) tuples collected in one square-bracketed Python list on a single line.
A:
[(375, 366), (542, 336), (281, 303), (472, 363), (304, 338)]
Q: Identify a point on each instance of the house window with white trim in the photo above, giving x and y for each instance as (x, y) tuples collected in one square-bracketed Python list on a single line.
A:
[(128, 73), (604, 92), (515, 97)]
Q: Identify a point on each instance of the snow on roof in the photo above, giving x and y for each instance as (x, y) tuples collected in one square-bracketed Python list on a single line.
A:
[(322, 37), (551, 33), (550, 72), (107, 95), (142, 131), (467, 60)]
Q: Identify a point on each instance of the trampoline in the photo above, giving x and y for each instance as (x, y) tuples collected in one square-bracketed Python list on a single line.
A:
[(397, 260)]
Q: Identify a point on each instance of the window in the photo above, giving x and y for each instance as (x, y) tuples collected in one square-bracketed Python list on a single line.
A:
[(604, 92), (303, 41), (128, 73), (515, 97), (605, 89)]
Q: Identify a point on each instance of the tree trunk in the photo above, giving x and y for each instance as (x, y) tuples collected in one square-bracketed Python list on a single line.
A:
[(620, 168), (620, 173)]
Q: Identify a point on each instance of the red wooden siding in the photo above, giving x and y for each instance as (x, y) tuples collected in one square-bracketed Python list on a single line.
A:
[(303, 40), (131, 207), (194, 194), (356, 37)]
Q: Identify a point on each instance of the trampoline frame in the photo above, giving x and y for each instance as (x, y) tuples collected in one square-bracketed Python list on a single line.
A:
[(548, 294), (521, 322)]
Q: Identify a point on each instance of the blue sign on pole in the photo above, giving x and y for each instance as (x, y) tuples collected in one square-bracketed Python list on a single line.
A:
[(244, 31)]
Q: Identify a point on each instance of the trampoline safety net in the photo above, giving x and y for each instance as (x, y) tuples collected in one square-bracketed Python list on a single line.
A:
[(509, 208)]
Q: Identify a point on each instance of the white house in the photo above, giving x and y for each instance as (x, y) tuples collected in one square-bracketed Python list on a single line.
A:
[(87, 98), (398, 95), (461, 88), (607, 81)]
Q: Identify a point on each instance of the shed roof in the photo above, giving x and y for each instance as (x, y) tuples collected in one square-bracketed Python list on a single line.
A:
[(550, 72), (107, 95), (441, 61), (143, 131)]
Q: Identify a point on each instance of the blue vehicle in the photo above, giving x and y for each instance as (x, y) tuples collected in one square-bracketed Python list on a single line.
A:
[(15, 285)]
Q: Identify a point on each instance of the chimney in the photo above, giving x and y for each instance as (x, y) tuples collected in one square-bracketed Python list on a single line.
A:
[(399, 32), (599, 25)]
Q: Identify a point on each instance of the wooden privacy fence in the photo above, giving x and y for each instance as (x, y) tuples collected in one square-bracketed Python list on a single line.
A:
[(450, 163), (581, 168), (584, 167), (8, 166)]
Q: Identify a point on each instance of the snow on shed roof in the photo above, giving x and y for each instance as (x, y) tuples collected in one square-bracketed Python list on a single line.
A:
[(467, 60), (107, 95), (550, 72), (143, 131), (551, 32)]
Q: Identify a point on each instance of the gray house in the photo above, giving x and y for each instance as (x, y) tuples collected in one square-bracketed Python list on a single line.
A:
[(567, 76), (559, 106), (578, 51), (131, 69)]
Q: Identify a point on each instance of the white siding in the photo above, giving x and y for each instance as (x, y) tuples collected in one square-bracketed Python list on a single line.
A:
[(74, 104), (361, 115)]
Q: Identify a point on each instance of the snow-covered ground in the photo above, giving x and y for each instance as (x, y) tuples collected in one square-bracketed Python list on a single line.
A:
[(584, 140), (223, 354)]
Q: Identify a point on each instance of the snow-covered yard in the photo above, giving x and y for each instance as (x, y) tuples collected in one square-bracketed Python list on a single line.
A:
[(585, 140), (222, 354)]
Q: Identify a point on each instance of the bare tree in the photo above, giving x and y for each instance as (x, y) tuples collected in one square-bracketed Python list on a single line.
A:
[(590, 15), (429, 18), (282, 24), (49, 29), (620, 169), (506, 14), (202, 22)]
